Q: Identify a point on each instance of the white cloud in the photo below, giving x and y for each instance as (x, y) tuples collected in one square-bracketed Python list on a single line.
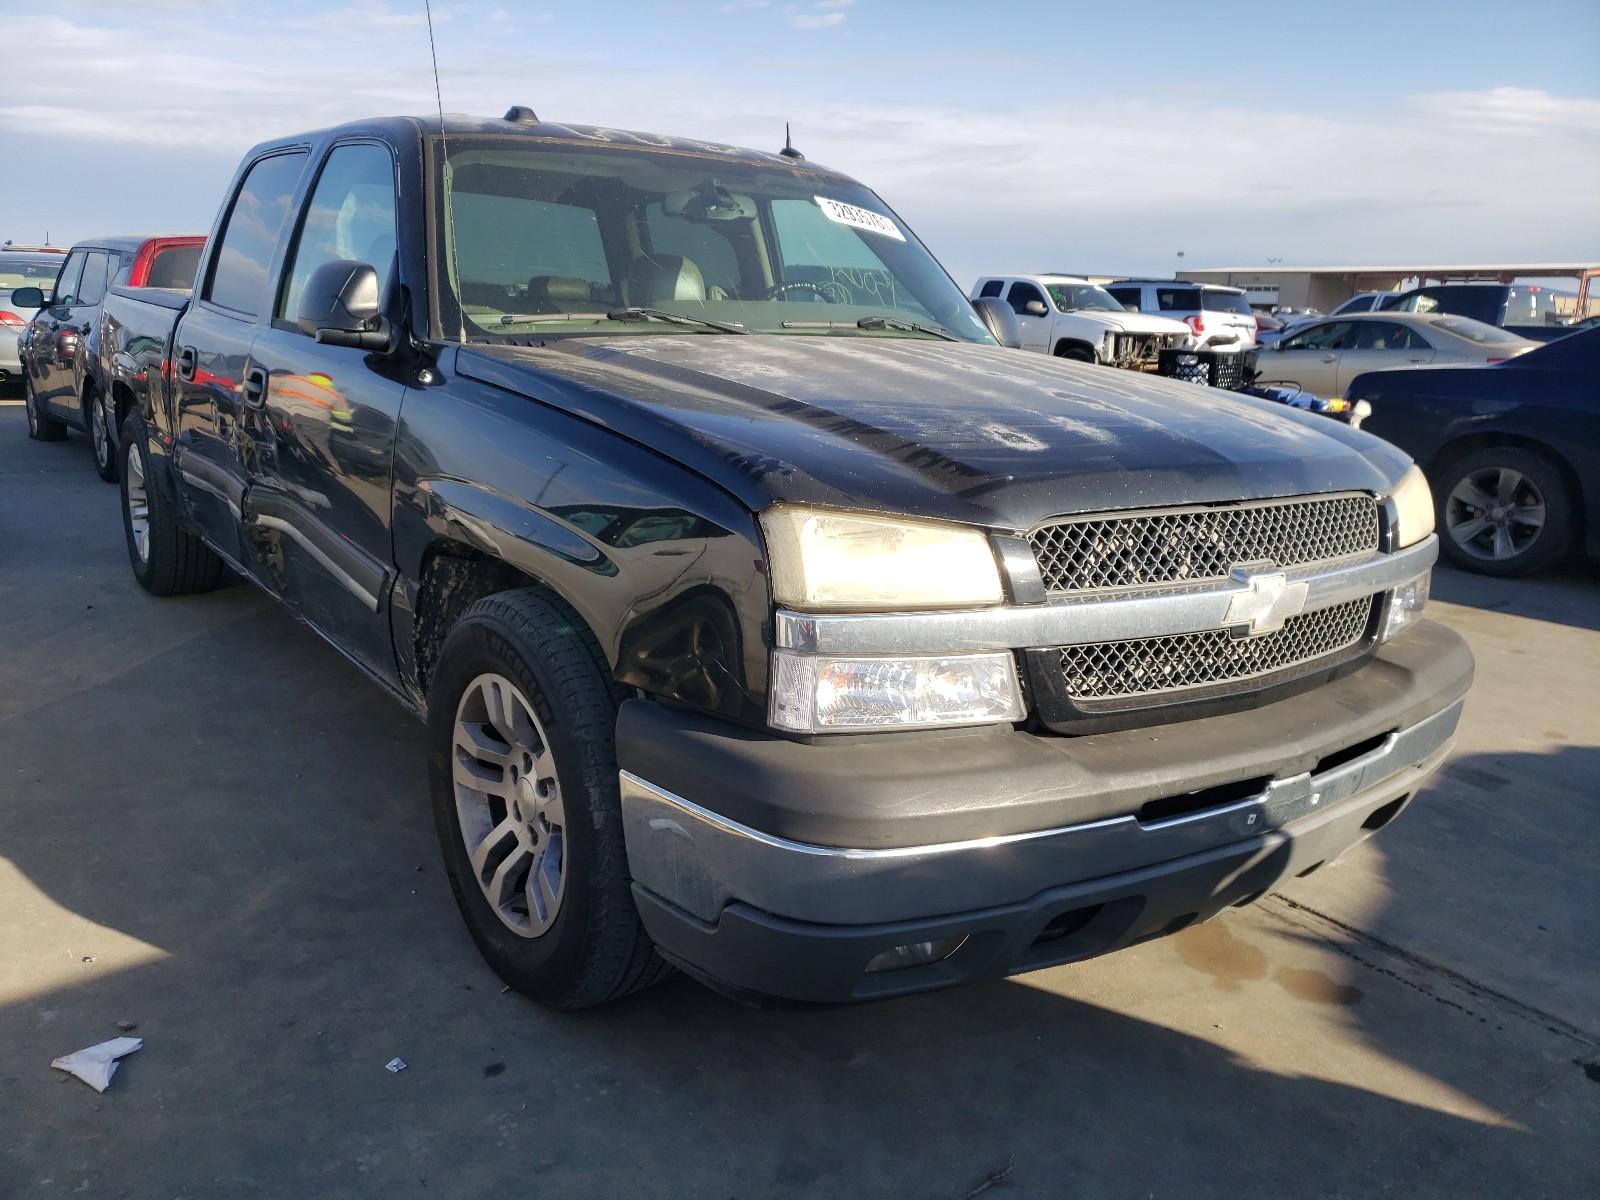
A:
[(1060, 181), (816, 20)]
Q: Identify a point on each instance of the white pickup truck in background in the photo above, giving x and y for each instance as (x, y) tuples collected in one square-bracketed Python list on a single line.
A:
[(1070, 317)]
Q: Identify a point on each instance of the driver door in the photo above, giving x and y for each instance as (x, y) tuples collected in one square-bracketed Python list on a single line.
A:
[(1035, 326), (1309, 359)]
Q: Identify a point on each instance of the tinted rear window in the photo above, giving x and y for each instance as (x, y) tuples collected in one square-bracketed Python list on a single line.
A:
[(1178, 299), (1476, 331), (174, 267), (250, 238), (1216, 301)]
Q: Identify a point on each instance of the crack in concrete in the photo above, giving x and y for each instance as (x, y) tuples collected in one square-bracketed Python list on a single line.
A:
[(1521, 1010)]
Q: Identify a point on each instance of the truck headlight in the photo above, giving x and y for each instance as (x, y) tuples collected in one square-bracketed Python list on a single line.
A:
[(820, 560), (813, 694), (1406, 603), (1413, 505)]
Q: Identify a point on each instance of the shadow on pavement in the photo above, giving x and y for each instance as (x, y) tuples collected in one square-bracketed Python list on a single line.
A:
[(1567, 594)]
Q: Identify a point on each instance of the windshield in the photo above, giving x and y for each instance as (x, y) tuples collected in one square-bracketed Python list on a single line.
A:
[(549, 239), (1477, 331), (1069, 297), (1217, 301), (29, 270)]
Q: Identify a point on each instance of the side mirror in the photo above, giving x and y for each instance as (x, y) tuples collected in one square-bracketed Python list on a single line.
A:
[(340, 307), (1001, 321), (28, 297), (1035, 308), (1130, 308)]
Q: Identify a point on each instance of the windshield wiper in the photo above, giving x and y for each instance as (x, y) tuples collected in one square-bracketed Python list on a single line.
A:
[(907, 326), (620, 314), (640, 313), (874, 323)]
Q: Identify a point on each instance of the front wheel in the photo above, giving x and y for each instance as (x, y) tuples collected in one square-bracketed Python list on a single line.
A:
[(1503, 510), (167, 560), (40, 427), (523, 772)]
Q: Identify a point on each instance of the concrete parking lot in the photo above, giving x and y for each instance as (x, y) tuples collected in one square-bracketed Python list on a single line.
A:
[(213, 828)]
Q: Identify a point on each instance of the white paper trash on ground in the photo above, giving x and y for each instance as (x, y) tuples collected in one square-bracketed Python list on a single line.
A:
[(97, 1064)]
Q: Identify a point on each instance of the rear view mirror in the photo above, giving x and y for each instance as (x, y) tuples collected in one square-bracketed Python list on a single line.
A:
[(28, 297), (340, 307), (1000, 320)]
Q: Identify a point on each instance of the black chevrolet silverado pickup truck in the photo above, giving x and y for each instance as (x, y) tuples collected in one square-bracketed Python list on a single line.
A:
[(768, 618)]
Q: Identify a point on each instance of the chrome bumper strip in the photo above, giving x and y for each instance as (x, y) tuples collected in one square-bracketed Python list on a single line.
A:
[(1097, 617), (701, 861)]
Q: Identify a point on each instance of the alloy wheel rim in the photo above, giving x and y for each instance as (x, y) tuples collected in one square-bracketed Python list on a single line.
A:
[(1495, 514), (509, 805), (102, 440), (138, 506)]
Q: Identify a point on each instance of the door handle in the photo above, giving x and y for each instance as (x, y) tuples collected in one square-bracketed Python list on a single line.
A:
[(186, 361), (1330, 357), (1419, 358), (255, 387)]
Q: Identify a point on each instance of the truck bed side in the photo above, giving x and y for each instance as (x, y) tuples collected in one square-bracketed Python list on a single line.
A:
[(136, 332)]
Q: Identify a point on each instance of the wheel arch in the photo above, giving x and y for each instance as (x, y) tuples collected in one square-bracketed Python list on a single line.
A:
[(1462, 446), (1064, 345)]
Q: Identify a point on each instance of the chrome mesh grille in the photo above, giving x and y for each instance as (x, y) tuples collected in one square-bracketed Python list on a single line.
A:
[(1112, 670), (1190, 545)]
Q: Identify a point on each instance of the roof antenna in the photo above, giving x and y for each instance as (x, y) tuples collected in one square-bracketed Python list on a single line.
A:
[(444, 168), (788, 150)]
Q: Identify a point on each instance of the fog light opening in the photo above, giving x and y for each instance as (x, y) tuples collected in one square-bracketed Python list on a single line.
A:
[(1068, 923), (915, 954), (1381, 816)]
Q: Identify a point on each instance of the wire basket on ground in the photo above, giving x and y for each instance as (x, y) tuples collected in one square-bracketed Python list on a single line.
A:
[(1232, 371)]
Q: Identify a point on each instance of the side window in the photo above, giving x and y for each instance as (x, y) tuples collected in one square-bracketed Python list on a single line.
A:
[(250, 237), (1126, 296), (1178, 299), (992, 288), (96, 268), (1331, 336), (1020, 295), (351, 216), (66, 289), (1387, 335)]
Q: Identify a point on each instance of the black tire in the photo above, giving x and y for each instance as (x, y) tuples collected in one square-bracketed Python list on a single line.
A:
[(1076, 353), (1535, 484), (100, 437), (40, 427), (594, 949), (173, 561)]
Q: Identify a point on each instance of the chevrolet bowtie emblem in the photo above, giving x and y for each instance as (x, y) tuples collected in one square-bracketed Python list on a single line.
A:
[(1267, 601)]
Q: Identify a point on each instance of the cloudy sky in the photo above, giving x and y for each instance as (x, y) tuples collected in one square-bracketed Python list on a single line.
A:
[(1058, 135)]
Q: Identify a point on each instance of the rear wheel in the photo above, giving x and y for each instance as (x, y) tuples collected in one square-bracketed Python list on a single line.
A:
[(521, 721), (167, 560), (40, 427), (1503, 510), (105, 450)]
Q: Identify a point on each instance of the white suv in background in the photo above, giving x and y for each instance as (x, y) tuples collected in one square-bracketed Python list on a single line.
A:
[(1070, 317), (1219, 318)]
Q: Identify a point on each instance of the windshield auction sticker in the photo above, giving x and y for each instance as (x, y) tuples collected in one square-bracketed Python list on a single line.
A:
[(858, 218)]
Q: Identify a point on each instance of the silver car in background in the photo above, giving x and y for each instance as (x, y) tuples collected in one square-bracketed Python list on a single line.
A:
[(21, 268)]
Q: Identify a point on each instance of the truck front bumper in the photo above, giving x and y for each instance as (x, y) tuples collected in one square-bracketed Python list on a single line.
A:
[(738, 880)]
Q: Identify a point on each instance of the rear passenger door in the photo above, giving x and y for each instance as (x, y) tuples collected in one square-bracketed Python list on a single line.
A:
[(1377, 345), (216, 428), (317, 504)]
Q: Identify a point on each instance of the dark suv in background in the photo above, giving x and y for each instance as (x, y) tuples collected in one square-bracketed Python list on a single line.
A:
[(57, 350)]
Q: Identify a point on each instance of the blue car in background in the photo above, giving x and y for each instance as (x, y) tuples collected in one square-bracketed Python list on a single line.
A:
[(1512, 450)]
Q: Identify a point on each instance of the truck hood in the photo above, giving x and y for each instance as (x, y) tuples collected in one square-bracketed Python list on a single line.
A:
[(979, 434)]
